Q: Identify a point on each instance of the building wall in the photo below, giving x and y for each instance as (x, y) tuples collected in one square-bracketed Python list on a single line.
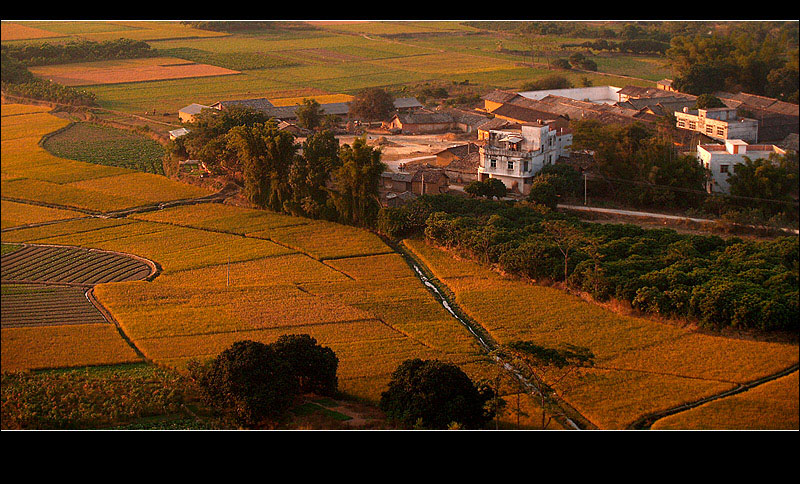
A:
[(721, 163)]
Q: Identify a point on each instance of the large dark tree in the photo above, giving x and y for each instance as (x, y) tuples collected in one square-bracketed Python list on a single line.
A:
[(431, 394), (249, 380), (315, 365)]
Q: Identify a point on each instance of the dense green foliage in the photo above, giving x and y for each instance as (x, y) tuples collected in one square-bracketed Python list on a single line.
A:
[(430, 394), (314, 365), (32, 54), (371, 104), (720, 283), (90, 398), (253, 382), (754, 57), (17, 80), (489, 188), (638, 166), (328, 181), (249, 380)]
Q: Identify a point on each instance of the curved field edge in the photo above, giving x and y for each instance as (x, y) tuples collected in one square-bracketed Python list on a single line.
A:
[(230, 273), (642, 366), (68, 345)]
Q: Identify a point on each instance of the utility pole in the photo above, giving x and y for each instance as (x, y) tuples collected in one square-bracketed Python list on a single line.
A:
[(585, 199)]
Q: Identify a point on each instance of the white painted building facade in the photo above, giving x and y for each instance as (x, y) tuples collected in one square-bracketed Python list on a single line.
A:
[(514, 156), (720, 160)]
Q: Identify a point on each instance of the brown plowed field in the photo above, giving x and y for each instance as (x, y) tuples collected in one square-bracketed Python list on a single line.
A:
[(47, 285), (28, 305), (70, 266)]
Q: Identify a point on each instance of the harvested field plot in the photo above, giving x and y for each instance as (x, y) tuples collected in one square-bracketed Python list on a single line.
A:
[(14, 31), (71, 265), (27, 305), (128, 70)]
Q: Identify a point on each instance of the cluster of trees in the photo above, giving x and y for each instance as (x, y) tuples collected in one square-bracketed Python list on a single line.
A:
[(248, 26), (76, 51), (18, 80), (632, 46), (318, 179), (720, 283), (431, 394), (252, 382), (639, 166), (757, 58)]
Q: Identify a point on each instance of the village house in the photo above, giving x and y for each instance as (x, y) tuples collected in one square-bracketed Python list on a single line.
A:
[(516, 156), (776, 119), (419, 122), (718, 123), (427, 180), (460, 163), (720, 160), (188, 113)]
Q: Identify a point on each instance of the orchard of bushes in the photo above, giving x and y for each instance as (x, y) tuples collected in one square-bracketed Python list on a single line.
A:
[(716, 282)]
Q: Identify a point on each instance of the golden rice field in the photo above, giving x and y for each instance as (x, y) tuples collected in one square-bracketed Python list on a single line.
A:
[(126, 70), (15, 214), (752, 410), (219, 287), (642, 366), (63, 346), (31, 173)]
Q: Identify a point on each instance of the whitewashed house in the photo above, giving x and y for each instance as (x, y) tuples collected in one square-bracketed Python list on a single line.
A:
[(515, 156), (720, 160)]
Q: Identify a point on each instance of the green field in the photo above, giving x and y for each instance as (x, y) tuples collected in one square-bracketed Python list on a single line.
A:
[(331, 58), (107, 146)]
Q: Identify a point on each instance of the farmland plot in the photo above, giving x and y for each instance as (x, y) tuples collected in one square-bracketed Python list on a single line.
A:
[(642, 366), (48, 319), (127, 70)]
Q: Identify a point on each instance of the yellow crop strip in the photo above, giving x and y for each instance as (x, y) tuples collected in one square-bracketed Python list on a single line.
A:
[(15, 214), (64, 346), (755, 409)]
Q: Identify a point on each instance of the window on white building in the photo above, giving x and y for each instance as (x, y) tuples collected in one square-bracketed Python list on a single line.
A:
[(510, 165), (526, 166), (723, 168), (492, 163)]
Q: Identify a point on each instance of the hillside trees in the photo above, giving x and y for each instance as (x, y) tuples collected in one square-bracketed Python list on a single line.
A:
[(745, 59), (661, 272)]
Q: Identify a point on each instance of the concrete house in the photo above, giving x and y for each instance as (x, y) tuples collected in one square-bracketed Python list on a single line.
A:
[(188, 113), (718, 123), (515, 156), (720, 160)]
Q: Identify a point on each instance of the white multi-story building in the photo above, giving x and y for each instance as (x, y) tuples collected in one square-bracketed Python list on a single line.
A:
[(514, 156), (720, 160), (718, 123)]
